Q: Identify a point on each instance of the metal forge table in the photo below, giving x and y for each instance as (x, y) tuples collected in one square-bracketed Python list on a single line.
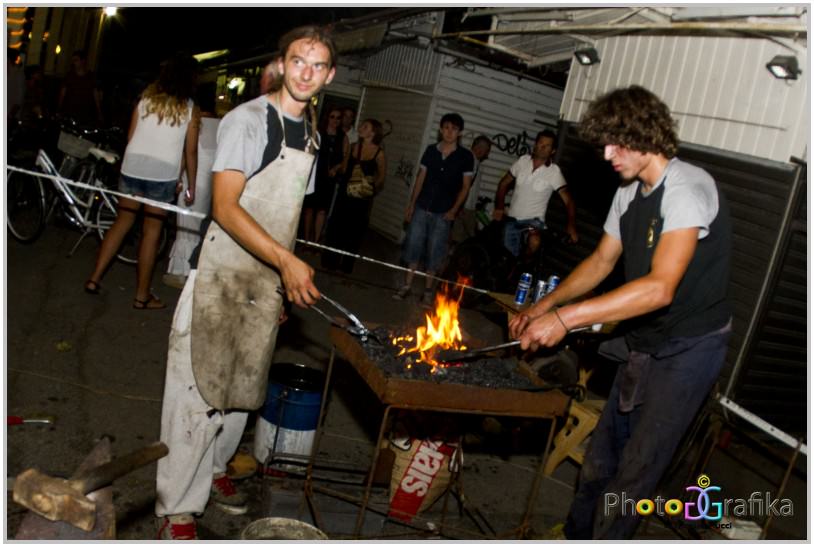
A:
[(422, 395)]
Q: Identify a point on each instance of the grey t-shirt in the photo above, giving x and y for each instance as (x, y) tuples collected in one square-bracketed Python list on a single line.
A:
[(690, 200), (249, 138)]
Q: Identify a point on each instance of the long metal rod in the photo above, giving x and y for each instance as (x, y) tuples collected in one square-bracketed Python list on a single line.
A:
[(711, 29), (392, 266)]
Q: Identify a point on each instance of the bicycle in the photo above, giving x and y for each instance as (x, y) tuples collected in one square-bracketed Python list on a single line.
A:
[(30, 204)]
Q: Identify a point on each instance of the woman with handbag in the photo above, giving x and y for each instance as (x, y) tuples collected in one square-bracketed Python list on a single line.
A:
[(364, 178)]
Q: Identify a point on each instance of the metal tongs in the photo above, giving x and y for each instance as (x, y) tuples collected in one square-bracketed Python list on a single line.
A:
[(449, 355), (357, 328)]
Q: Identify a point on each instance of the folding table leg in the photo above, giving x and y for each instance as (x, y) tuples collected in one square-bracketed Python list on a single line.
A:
[(360, 519)]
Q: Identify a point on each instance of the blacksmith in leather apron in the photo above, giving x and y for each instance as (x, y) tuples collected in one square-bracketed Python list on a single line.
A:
[(236, 303)]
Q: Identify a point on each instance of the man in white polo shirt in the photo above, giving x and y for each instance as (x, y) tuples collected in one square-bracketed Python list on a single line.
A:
[(534, 178)]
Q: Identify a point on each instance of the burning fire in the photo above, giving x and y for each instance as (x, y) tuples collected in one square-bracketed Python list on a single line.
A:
[(442, 331)]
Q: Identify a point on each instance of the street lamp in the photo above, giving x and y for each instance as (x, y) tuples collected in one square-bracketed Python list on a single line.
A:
[(784, 67), (110, 11), (587, 56)]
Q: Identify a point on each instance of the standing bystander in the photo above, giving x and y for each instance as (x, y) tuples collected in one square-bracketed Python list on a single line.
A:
[(163, 139), (669, 223), (440, 189), (80, 97), (364, 178), (332, 160), (15, 85), (348, 119)]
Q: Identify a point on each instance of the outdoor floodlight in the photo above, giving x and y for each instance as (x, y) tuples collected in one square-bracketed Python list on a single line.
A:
[(587, 56), (784, 67)]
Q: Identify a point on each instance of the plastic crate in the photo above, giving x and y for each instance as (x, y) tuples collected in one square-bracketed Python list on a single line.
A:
[(73, 145)]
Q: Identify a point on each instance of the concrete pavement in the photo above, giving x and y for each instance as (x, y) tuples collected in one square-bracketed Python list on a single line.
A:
[(97, 364)]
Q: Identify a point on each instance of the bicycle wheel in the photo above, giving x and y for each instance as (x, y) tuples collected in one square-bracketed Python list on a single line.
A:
[(128, 253), (25, 206)]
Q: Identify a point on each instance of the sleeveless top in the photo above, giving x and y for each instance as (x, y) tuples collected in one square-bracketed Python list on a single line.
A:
[(155, 150)]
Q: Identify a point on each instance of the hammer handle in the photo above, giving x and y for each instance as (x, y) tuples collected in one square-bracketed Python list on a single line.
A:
[(105, 474)]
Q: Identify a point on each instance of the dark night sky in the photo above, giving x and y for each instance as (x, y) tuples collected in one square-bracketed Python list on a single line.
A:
[(139, 38)]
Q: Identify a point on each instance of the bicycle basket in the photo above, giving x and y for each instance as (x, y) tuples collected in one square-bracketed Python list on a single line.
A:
[(73, 145)]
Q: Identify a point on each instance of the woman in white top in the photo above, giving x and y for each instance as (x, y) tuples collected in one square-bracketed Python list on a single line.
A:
[(163, 136)]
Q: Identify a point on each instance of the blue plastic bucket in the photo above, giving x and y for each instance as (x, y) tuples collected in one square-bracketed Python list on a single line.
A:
[(287, 422)]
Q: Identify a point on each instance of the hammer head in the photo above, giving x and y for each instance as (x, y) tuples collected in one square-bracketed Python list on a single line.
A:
[(55, 499)]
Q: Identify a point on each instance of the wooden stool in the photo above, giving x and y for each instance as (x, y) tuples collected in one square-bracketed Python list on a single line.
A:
[(581, 421)]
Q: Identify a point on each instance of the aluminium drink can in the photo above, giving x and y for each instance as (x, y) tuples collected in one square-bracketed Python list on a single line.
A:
[(553, 281), (523, 287), (540, 290)]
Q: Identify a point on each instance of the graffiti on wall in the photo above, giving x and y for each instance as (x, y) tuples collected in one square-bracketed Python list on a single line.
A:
[(404, 170), (518, 145)]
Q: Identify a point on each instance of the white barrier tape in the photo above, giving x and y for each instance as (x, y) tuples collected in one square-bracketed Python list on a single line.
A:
[(102, 189), (392, 266), (180, 210)]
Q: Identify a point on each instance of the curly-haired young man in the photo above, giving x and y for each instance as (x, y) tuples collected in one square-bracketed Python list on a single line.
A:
[(672, 223)]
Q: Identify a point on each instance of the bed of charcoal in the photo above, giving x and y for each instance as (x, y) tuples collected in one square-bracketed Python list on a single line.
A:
[(491, 372)]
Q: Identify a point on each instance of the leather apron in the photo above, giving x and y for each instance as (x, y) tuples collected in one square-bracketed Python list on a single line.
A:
[(236, 304)]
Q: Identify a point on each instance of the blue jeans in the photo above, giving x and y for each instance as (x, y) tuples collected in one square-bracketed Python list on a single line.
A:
[(427, 237), (513, 232), (629, 452)]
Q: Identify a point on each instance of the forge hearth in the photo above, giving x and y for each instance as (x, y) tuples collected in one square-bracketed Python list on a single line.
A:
[(488, 385), (492, 372)]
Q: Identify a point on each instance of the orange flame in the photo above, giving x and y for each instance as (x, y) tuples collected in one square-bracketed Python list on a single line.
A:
[(442, 330)]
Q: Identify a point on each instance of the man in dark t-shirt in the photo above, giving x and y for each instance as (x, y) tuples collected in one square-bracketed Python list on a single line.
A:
[(440, 190), (672, 223)]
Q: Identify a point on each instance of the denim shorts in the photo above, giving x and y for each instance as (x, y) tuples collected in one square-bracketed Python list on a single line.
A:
[(427, 236), (156, 190)]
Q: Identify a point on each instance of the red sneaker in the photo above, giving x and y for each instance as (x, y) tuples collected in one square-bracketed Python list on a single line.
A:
[(178, 527)]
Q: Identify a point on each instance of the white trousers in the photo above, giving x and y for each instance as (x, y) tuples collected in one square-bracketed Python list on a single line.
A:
[(201, 440)]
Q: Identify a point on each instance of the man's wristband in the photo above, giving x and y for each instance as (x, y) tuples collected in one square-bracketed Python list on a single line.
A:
[(561, 321)]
